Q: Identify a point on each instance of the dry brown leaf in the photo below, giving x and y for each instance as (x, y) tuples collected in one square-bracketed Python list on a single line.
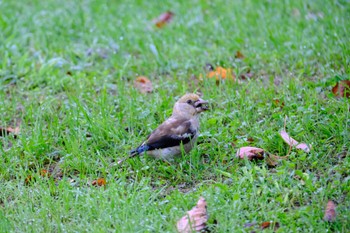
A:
[(143, 84), (239, 55), (195, 219), (278, 103), (99, 182), (304, 147), (14, 131), (221, 73), (250, 139), (265, 225), (44, 173), (250, 153), (330, 213), (342, 89), (163, 19), (292, 142), (9, 130), (29, 179), (257, 153)]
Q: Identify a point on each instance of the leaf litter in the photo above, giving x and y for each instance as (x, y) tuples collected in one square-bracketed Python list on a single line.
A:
[(263, 225), (330, 213), (254, 153), (195, 219), (9, 130), (239, 55), (99, 182), (342, 89), (163, 19), (293, 143), (143, 84)]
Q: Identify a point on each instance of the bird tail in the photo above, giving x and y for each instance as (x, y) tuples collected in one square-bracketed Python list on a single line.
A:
[(135, 152), (139, 150)]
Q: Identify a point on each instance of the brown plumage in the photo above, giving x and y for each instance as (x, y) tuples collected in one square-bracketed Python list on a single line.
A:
[(179, 130)]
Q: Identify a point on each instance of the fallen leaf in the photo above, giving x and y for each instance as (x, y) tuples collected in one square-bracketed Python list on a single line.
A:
[(143, 84), (257, 153), (250, 153), (28, 179), (163, 19), (330, 213), (265, 225), (278, 103), (304, 147), (9, 130), (221, 73), (44, 173), (239, 55), (195, 219), (342, 89), (99, 182), (293, 143)]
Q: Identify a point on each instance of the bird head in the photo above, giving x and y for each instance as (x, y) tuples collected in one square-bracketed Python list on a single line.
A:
[(190, 104)]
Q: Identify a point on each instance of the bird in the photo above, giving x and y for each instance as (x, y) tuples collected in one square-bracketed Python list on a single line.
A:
[(179, 131)]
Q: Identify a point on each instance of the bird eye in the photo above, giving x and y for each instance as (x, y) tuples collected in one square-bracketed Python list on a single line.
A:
[(189, 101)]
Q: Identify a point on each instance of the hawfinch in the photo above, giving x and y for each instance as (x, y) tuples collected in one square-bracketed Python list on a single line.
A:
[(180, 130)]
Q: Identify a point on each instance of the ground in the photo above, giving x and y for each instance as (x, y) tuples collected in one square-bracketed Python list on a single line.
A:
[(67, 71)]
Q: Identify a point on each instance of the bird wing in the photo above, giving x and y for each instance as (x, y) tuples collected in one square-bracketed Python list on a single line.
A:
[(171, 133)]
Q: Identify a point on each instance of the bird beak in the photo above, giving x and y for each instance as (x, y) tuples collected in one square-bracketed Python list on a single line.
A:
[(201, 105)]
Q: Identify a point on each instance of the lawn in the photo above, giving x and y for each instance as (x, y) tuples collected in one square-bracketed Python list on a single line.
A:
[(67, 71)]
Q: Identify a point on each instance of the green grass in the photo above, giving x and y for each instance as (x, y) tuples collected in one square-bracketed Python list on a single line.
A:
[(66, 77)]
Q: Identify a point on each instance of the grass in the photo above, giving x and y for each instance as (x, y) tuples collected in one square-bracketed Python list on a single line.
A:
[(66, 77)]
